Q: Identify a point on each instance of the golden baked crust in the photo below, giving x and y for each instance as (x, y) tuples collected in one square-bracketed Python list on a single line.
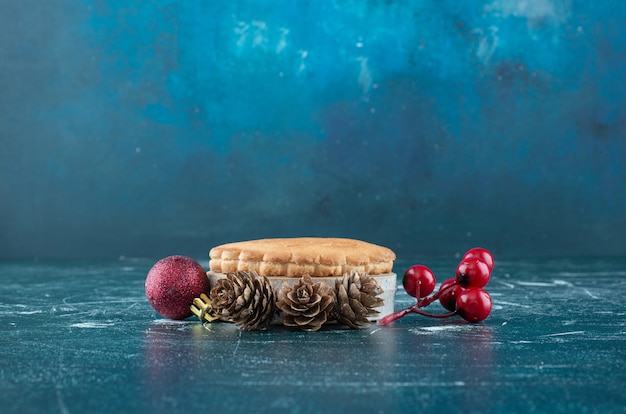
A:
[(296, 257)]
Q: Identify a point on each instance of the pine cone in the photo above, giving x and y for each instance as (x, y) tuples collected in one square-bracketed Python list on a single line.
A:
[(306, 304), (356, 299), (246, 299)]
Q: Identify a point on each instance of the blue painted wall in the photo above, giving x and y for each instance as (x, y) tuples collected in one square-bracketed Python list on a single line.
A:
[(152, 128)]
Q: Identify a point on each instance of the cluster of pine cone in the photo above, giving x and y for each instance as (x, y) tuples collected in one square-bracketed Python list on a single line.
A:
[(249, 301)]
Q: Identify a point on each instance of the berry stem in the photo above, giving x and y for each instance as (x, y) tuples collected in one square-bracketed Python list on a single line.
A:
[(415, 308), (428, 301), (433, 315), (417, 291), (394, 316), (411, 309)]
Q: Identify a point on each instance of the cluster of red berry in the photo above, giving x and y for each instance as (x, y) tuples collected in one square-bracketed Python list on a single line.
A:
[(463, 295)]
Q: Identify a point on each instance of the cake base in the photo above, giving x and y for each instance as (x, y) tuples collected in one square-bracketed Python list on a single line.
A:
[(387, 281)]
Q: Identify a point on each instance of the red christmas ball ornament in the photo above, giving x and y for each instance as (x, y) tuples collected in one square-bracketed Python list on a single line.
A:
[(173, 283)]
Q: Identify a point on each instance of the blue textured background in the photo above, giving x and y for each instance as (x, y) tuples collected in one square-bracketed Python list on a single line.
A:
[(153, 128)]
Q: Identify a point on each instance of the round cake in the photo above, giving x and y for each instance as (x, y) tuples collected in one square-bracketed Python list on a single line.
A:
[(296, 257), (286, 260)]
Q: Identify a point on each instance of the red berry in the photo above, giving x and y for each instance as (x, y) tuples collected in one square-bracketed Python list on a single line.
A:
[(418, 275), (473, 304), (448, 299), (481, 254), (472, 272)]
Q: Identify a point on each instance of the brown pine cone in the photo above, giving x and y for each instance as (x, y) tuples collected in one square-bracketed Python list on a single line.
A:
[(306, 304), (356, 299), (246, 299)]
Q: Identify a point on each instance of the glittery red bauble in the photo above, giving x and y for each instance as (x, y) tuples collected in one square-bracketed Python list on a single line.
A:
[(173, 283)]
